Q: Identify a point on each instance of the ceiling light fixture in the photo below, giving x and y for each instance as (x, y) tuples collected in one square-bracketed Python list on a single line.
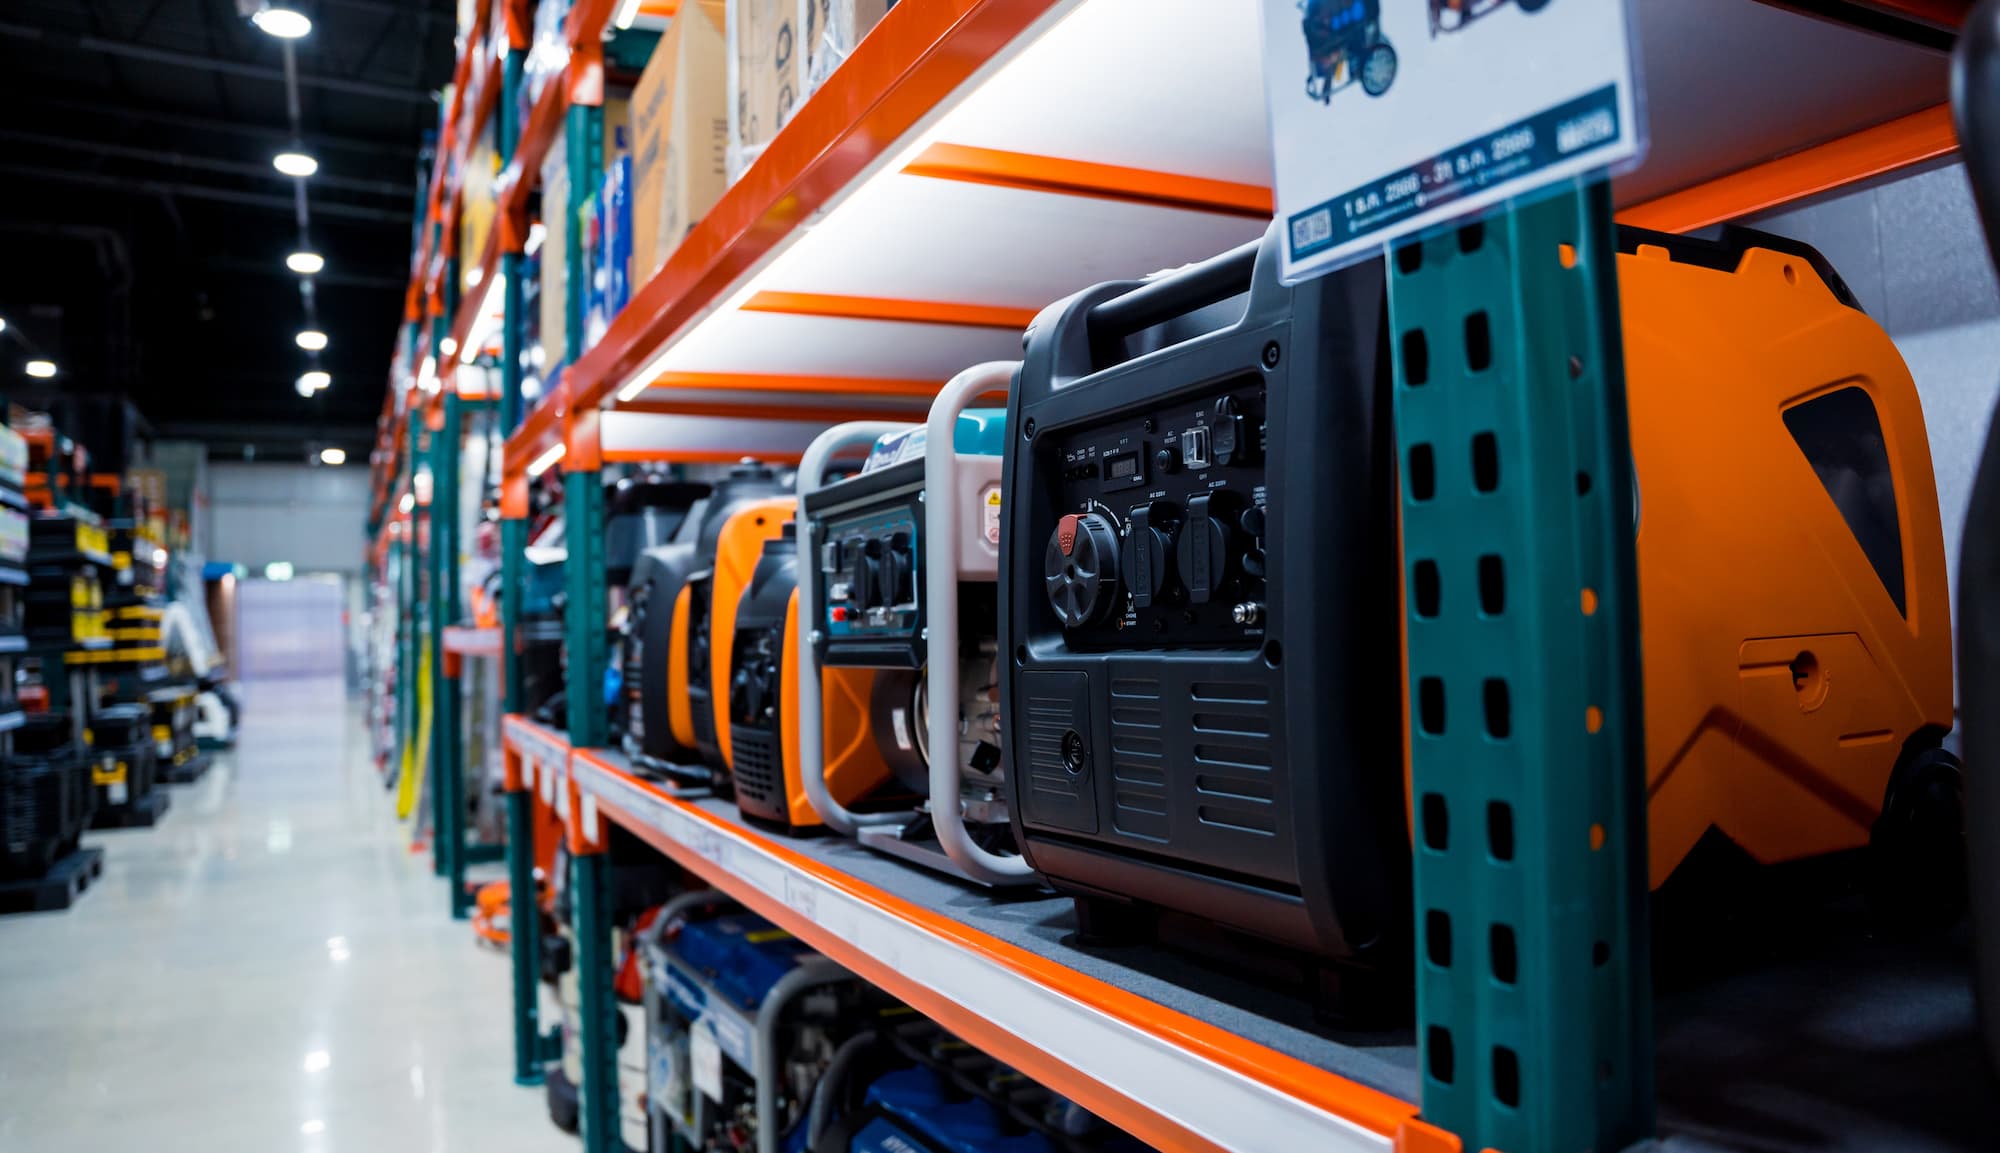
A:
[(283, 23), (295, 164), (312, 340), (333, 456), (41, 369), (628, 11), (474, 275), (448, 346), (3, 324), (315, 380), (305, 263)]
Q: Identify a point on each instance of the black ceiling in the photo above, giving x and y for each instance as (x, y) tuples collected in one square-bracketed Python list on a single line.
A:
[(144, 230)]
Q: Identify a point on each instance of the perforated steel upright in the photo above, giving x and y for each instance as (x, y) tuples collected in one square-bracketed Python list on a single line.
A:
[(1527, 756), (584, 632)]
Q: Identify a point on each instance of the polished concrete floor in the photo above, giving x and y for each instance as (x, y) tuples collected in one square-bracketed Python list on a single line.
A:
[(269, 969)]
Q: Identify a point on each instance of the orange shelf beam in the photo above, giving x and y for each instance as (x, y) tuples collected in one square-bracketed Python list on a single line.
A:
[(879, 308), (1082, 178), (1864, 155)]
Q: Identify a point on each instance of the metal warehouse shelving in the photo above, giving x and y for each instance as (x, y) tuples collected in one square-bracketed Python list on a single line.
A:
[(970, 162)]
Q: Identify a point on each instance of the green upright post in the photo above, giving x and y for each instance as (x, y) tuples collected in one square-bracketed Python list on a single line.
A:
[(583, 136), (450, 707), (1527, 755), (525, 923), (597, 1007), (584, 627), (583, 498)]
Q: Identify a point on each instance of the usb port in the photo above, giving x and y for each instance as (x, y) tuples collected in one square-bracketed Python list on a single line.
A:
[(1194, 447)]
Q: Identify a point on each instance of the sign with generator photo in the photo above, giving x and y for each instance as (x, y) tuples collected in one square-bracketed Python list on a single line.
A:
[(1392, 116)]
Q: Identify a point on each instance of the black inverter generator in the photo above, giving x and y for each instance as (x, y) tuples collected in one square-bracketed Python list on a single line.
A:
[(658, 577), (1200, 608)]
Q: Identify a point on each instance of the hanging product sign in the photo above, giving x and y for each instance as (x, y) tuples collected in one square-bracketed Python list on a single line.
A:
[(1391, 116)]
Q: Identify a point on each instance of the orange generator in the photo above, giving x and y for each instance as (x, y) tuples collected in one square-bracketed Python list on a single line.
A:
[(1795, 620), (763, 706), (705, 623)]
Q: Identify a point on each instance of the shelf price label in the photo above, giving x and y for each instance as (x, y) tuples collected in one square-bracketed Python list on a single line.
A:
[(1389, 117)]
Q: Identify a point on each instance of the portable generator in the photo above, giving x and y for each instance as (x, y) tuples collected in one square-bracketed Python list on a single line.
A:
[(655, 675), (924, 618), (641, 513), (741, 1020), (764, 687), (911, 1087), (1798, 659), (705, 625), (1797, 649), (1185, 732)]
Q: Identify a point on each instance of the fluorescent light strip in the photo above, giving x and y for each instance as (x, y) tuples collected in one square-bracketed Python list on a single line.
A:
[(483, 322), (547, 460)]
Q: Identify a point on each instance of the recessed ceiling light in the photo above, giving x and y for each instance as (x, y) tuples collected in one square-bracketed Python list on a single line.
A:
[(311, 340), (448, 346), (305, 263), (295, 164), (41, 368), (334, 456), (283, 23)]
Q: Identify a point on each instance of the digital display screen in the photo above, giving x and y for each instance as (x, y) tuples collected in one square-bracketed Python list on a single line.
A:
[(1121, 467)]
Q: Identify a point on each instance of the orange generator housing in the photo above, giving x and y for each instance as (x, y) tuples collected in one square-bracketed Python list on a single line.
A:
[(1795, 620)]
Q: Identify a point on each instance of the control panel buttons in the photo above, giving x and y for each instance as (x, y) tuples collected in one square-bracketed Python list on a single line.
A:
[(1203, 551), (1080, 568), (1167, 461)]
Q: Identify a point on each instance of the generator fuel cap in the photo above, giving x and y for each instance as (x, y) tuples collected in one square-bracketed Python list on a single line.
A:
[(1081, 568)]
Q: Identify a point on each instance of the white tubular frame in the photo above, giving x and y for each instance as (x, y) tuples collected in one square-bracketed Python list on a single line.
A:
[(812, 728), (941, 575)]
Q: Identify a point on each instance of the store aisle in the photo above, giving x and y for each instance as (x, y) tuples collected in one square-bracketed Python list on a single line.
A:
[(269, 969)]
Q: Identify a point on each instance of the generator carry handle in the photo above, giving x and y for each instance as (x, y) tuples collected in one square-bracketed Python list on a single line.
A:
[(812, 750), (941, 577), (1170, 296)]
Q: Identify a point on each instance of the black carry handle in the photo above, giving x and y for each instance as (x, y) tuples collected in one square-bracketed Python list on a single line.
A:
[(1156, 302), (1975, 101)]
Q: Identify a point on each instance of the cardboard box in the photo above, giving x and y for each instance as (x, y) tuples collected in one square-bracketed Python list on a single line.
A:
[(767, 74), (680, 135), (555, 252), (833, 28)]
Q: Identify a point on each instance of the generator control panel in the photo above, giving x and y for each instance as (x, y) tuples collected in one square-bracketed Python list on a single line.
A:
[(1163, 524), (866, 536)]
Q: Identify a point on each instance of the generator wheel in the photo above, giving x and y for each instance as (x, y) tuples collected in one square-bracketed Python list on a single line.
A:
[(1378, 68), (1532, 5), (1916, 873)]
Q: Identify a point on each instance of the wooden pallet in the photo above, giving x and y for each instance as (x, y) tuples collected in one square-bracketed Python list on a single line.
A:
[(56, 889)]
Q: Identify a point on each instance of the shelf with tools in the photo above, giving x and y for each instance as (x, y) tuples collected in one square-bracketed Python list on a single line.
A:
[(968, 165)]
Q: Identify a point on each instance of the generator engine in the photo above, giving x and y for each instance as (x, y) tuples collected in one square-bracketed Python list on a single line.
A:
[(742, 1019), (910, 1087)]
